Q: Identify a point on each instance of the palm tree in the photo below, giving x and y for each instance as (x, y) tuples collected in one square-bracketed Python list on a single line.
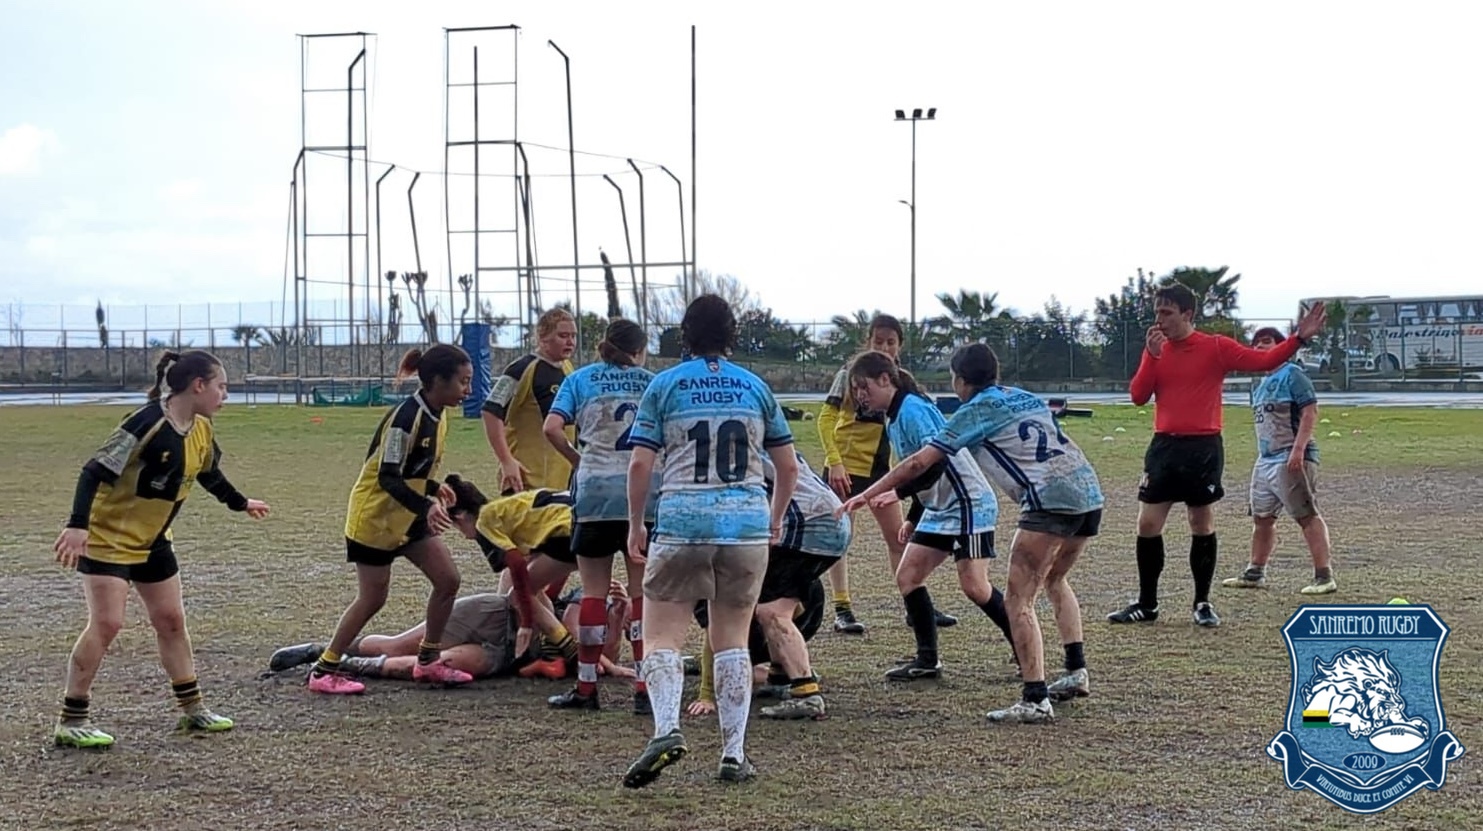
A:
[(972, 316), (1216, 295), (245, 334)]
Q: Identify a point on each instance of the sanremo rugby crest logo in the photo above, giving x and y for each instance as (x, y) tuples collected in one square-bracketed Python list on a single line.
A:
[(1364, 721)]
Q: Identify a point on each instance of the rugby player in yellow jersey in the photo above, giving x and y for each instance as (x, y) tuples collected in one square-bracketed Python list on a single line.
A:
[(119, 534), (857, 453), (398, 509), (519, 402), (536, 524)]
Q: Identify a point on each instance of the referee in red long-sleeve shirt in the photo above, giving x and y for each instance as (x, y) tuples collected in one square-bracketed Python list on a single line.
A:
[(1184, 372)]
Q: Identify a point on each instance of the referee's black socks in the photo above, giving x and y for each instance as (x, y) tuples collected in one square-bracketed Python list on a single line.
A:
[(1150, 566), (1202, 564)]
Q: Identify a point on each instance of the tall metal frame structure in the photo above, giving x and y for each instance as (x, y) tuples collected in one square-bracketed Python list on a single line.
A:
[(464, 94), (355, 154)]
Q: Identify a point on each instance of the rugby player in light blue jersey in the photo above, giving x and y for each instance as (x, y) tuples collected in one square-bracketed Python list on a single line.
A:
[(714, 422), (1285, 408), (1019, 446), (953, 514), (602, 399)]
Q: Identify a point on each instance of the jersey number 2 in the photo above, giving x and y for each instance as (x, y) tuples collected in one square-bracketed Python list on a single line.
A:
[(731, 450), (1043, 451), (625, 410)]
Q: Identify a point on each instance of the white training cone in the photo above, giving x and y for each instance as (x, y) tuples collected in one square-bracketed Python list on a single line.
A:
[(1107, 438), (1334, 434), (1325, 421), (1121, 430)]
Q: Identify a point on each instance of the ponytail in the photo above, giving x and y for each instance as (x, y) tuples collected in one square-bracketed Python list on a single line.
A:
[(407, 367), (468, 499), (610, 354), (622, 343), (906, 381), (168, 358)]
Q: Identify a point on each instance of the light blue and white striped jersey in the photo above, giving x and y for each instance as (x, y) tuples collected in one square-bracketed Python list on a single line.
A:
[(1019, 445), (960, 502), (809, 525), (602, 400), (712, 422), (1277, 405)]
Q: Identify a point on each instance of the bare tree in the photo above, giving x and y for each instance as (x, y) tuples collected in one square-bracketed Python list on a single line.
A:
[(666, 304)]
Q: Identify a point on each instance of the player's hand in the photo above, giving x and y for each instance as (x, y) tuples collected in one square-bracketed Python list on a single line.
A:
[(446, 495), (638, 544), (617, 592), (839, 480), (1155, 341), (701, 707), (885, 500), (523, 639), (904, 535), (775, 533), (1312, 321), (512, 476), (850, 506), (438, 520), (257, 508), (71, 544), (1295, 461)]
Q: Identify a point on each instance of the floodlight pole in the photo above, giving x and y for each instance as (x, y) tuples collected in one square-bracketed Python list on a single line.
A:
[(571, 152), (684, 273), (643, 235), (641, 311), (916, 115)]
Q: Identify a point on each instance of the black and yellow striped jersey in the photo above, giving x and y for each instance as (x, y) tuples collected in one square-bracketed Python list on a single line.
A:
[(399, 476), (851, 435), (133, 487), (526, 521), (522, 397)]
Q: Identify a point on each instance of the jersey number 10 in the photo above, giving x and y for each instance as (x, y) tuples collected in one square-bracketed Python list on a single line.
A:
[(732, 450)]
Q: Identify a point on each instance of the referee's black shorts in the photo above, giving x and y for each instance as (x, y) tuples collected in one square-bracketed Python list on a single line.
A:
[(1184, 469)]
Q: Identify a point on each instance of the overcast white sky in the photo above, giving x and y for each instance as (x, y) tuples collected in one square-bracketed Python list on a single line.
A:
[(1315, 147)]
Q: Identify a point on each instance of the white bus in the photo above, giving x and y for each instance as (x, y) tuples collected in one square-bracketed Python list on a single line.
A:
[(1391, 334)]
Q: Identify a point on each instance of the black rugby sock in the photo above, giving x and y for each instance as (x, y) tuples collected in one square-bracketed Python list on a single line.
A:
[(1202, 564), (923, 623), (1150, 566)]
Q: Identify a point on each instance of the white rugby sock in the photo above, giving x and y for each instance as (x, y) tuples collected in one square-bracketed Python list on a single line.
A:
[(664, 675), (733, 669)]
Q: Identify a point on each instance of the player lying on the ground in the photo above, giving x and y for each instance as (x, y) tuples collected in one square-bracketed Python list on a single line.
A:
[(538, 523), (485, 637), (770, 674)]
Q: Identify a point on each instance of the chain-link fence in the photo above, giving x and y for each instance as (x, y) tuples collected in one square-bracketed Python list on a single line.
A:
[(67, 345)]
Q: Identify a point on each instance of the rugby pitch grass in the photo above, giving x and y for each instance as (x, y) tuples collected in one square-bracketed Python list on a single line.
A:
[(1171, 738)]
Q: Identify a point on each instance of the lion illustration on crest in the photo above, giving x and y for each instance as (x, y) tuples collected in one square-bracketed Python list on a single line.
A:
[(1361, 692)]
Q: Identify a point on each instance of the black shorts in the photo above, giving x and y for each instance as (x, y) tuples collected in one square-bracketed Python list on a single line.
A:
[(365, 555), (964, 547), (808, 621), (559, 549), (790, 574), (1184, 469), (160, 566), (858, 484), (602, 538), (1062, 525)]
